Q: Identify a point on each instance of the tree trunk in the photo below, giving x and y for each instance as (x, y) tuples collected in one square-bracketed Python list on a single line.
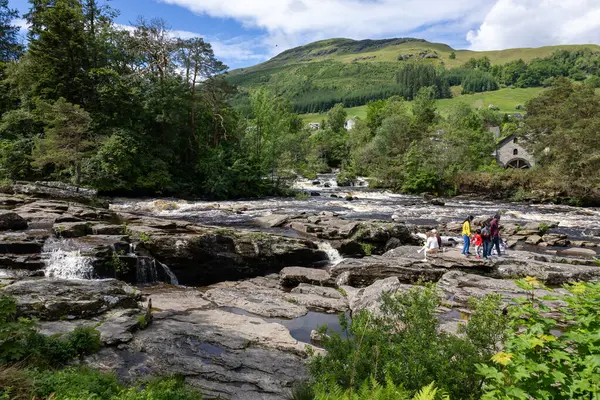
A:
[(78, 175)]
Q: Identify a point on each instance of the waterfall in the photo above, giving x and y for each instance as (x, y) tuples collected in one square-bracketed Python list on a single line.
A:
[(62, 264), (146, 271), (169, 274), (332, 254)]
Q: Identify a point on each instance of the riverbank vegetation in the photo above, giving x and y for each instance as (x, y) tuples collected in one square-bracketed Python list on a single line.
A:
[(32, 365), (501, 352)]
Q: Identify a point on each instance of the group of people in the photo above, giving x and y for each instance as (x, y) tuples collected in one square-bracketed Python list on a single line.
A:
[(485, 239)]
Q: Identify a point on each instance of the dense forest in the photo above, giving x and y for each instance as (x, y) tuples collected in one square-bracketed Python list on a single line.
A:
[(138, 112)]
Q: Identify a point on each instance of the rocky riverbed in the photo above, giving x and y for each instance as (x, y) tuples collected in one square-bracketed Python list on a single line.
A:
[(233, 308)]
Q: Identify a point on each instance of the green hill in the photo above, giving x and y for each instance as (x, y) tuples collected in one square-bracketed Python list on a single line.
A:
[(319, 74)]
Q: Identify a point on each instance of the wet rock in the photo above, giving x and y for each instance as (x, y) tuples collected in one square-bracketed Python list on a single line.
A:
[(22, 262), (272, 221), (437, 202), (71, 229), (533, 239), (315, 194), (293, 276), (366, 271), (11, 201), (369, 298), (11, 221), (102, 229), (19, 247), (221, 353), (54, 299), (317, 338), (211, 255)]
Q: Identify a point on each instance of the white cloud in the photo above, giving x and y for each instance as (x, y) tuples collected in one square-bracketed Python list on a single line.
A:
[(534, 23), (293, 22), (238, 49)]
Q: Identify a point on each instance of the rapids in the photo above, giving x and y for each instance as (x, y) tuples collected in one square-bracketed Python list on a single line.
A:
[(577, 222)]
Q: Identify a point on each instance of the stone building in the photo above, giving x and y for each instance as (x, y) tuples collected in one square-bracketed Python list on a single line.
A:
[(510, 154)]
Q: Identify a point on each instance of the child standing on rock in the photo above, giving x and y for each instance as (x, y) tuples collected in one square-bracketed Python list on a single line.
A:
[(478, 242)]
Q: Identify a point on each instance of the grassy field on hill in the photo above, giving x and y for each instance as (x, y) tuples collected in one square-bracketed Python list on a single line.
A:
[(505, 99)]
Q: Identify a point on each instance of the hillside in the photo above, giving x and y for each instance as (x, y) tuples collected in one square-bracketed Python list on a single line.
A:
[(356, 72)]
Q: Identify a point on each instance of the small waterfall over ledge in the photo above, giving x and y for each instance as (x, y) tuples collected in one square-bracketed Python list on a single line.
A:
[(61, 264), (80, 259), (332, 254)]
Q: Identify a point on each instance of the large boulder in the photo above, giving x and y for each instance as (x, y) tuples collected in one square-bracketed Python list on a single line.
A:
[(50, 300), (213, 255), (369, 298), (10, 220)]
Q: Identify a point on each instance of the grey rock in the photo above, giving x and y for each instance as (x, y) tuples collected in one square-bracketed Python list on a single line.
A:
[(102, 229), (369, 298), (534, 239), (364, 272), (293, 276), (71, 229), (50, 300), (222, 354), (272, 221), (578, 252)]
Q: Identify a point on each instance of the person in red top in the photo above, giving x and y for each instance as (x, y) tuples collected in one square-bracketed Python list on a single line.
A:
[(477, 240)]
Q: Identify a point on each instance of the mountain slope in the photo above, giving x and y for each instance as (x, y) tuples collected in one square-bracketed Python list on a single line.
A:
[(319, 74)]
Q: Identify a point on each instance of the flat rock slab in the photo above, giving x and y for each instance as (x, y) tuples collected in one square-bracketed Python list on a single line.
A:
[(272, 221), (293, 276), (52, 300), (364, 272), (222, 354), (369, 298), (115, 327)]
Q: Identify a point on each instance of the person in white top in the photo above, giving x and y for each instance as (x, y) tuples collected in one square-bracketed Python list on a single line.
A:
[(431, 245)]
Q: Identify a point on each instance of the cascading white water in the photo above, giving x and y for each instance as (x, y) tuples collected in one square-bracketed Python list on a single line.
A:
[(61, 264), (334, 256), (169, 273)]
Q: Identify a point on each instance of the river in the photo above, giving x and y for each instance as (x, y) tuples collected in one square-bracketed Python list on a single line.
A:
[(577, 222)]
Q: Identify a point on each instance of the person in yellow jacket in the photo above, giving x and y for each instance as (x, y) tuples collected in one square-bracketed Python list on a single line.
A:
[(466, 232)]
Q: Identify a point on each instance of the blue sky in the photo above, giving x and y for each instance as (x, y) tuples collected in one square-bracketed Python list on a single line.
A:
[(246, 32)]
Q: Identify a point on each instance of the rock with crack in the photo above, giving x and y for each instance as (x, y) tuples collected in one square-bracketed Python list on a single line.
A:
[(264, 297), (366, 271), (222, 354), (115, 326), (552, 274), (293, 276), (369, 298), (52, 300)]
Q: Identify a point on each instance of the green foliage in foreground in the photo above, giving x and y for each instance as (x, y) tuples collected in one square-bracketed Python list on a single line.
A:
[(21, 341), (402, 346), (87, 384), (537, 362), (372, 390)]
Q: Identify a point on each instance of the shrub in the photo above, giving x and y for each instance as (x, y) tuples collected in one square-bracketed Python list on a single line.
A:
[(539, 363), (20, 340), (373, 390), (544, 228), (404, 345)]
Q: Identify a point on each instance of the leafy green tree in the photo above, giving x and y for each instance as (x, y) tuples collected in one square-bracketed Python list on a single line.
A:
[(538, 363), (336, 118), (424, 108), (66, 142), (452, 56), (401, 344)]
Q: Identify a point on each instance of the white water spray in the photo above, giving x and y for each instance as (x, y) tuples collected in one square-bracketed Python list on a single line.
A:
[(62, 264), (332, 254)]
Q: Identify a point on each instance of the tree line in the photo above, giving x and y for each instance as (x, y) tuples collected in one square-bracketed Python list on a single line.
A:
[(137, 111)]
